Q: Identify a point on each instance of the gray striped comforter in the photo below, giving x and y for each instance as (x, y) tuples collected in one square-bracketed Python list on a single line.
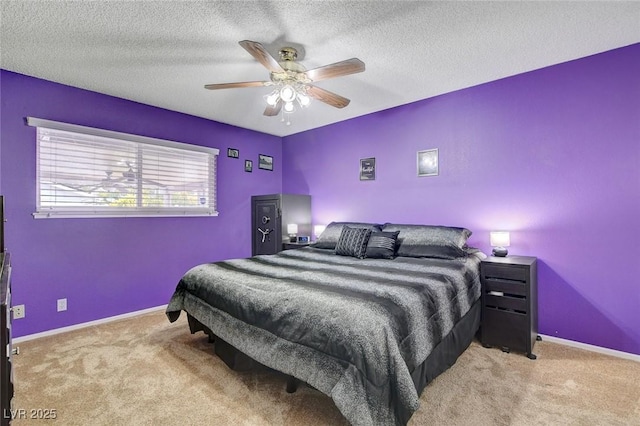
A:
[(352, 328)]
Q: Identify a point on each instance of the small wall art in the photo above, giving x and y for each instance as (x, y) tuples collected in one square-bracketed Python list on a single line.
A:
[(428, 162), (233, 153), (248, 166), (368, 168), (265, 162)]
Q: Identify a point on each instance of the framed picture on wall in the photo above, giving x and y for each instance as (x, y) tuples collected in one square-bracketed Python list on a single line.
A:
[(428, 162), (233, 153), (248, 166), (265, 162), (368, 168)]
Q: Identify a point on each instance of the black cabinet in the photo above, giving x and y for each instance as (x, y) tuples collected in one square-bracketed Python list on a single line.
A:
[(6, 371), (509, 303), (6, 350), (270, 215)]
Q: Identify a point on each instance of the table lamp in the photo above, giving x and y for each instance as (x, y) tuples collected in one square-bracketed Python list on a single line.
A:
[(500, 240), (292, 230)]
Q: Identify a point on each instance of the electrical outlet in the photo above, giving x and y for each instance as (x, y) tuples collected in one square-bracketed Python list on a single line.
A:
[(62, 305), (18, 311)]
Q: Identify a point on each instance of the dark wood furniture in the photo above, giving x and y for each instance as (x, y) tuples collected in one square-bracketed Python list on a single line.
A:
[(6, 350), (270, 215), (6, 373), (293, 246), (510, 303), (2, 248)]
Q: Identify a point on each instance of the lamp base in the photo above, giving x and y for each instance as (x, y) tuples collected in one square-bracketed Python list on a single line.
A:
[(499, 252), (293, 239)]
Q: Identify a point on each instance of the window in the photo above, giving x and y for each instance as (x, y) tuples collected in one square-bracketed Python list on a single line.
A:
[(87, 172)]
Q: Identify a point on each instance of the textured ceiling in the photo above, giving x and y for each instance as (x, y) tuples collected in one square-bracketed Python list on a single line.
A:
[(163, 53)]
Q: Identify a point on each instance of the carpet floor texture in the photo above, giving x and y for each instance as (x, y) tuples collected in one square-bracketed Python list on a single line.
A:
[(147, 371)]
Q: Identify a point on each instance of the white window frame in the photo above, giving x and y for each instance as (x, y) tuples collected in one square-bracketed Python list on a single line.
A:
[(88, 211)]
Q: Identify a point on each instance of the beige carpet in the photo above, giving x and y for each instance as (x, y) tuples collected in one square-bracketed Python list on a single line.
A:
[(146, 371)]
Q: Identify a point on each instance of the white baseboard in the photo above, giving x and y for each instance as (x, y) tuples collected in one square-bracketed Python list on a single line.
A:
[(592, 348), (55, 331)]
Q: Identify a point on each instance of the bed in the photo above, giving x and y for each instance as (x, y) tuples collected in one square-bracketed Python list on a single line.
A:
[(368, 315)]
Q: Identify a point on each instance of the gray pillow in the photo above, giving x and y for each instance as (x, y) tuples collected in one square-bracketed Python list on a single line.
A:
[(443, 242), (382, 245), (329, 238), (353, 242)]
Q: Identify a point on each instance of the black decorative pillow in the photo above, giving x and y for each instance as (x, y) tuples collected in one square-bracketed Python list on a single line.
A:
[(353, 242), (332, 232), (382, 245), (442, 242)]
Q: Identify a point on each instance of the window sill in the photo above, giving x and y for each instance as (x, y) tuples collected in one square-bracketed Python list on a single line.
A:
[(87, 215)]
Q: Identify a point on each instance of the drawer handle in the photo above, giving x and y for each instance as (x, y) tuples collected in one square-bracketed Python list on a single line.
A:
[(508, 295), (514, 280), (497, 308)]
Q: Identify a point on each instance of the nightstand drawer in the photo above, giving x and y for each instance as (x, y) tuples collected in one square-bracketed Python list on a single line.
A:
[(504, 329), (490, 271), (509, 287), (519, 304)]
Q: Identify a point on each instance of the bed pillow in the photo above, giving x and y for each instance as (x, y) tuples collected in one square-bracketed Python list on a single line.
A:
[(382, 245), (353, 242), (329, 238), (443, 242)]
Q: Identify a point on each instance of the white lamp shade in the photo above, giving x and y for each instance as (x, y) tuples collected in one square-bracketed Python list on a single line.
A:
[(288, 107), (287, 93), (318, 229), (292, 228), (304, 99), (500, 239), (272, 99)]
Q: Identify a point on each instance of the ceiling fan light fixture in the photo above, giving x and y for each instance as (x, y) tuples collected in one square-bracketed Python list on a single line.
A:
[(287, 93), (272, 98), (288, 107), (303, 99)]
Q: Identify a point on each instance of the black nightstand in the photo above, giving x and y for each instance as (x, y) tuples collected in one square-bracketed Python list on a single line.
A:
[(510, 303), (291, 246)]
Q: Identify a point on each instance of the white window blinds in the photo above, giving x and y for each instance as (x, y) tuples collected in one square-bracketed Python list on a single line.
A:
[(86, 172)]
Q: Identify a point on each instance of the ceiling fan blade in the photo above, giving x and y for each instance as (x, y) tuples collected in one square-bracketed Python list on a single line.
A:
[(327, 96), (270, 110), (260, 53), (350, 66), (236, 85)]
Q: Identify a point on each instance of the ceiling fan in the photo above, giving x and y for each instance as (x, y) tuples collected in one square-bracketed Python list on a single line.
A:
[(292, 81)]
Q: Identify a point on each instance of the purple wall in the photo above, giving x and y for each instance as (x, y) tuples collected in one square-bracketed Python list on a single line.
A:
[(552, 156), (106, 267)]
